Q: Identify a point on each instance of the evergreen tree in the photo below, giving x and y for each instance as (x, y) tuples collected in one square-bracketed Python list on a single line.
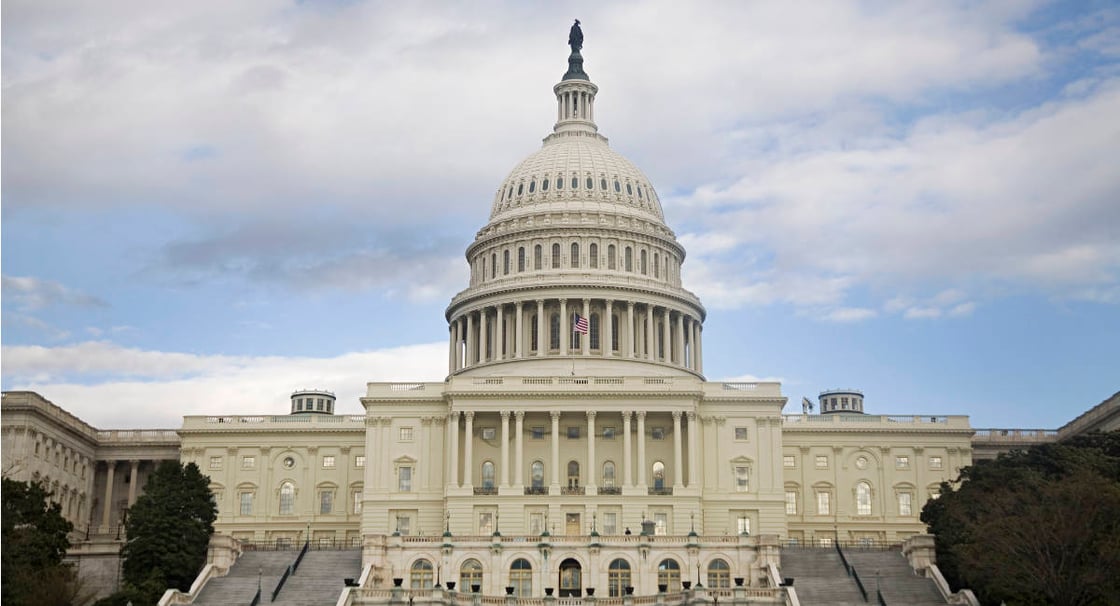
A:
[(169, 530), (33, 544)]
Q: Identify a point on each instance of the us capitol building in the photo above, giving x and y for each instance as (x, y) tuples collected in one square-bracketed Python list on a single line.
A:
[(575, 442)]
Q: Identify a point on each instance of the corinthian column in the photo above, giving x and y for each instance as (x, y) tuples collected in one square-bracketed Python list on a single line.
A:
[(468, 448), (505, 447), (678, 463), (592, 466), (556, 450), (519, 331), (483, 336), (500, 333), (564, 331), (627, 461), (606, 343), (642, 449)]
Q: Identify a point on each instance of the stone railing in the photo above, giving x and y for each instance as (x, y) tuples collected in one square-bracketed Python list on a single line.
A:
[(883, 421), (132, 436), (261, 421), (1033, 436)]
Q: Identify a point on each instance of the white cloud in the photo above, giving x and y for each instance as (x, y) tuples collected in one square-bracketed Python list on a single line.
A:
[(850, 314), (155, 388), (30, 294)]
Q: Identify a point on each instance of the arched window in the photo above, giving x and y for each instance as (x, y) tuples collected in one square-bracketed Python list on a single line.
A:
[(559, 181), (603, 183), (593, 256), (643, 262), (574, 261), (537, 257), (863, 499), (573, 474), (610, 257), (590, 183), (421, 575), (629, 259), (544, 185), (488, 474), (669, 575), (533, 186), (521, 259), (521, 578), (656, 265), (505, 262), (617, 187), (536, 475), (618, 577), (470, 576), (555, 256), (575, 182), (287, 498), (554, 332), (719, 574), (608, 474), (493, 265), (658, 475), (593, 331)]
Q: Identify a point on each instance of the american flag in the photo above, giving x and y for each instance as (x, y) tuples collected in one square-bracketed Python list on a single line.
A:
[(581, 325)]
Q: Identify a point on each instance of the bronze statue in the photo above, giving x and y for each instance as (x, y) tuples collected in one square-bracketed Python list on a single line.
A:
[(575, 37)]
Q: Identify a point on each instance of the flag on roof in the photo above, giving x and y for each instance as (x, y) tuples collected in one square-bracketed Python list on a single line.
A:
[(581, 325)]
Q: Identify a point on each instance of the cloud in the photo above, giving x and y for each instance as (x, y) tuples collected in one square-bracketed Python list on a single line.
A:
[(109, 386), (850, 314), (31, 294)]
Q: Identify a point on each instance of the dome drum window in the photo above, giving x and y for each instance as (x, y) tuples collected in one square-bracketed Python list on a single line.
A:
[(533, 186), (544, 185)]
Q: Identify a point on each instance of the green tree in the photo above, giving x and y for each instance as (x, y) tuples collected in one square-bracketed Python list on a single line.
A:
[(169, 530), (33, 544), (1040, 526)]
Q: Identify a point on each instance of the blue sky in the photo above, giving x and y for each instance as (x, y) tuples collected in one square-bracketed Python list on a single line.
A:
[(208, 205)]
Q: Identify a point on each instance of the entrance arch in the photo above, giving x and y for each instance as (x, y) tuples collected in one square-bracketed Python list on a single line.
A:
[(571, 578)]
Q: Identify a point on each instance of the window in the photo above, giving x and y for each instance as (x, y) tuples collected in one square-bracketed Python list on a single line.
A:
[(536, 522), (248, 462), (404, 479), (590, 184), (288, 462), (554, 332), (537, 257), (791, 502), (610, 523), (935, 462), (470, 575), (494, 261), (356, 499), (328, 461), (614, 332), (669, 574), (608, 433), (863, 499), (521, 258), (326, 501), (593, 256), (555, 256), (536, 433), (719, 574), (505, 263), (823, 503), (287, 498), (488, 474), (593, 331), (573, 433), (656, 265), (421, 577), (658, 475), (642, 263), (657, 433), (743, 524), (822, 462), (789, 461), (618, 577), (573, 474), (629, 259), (404, 524), (741, 434), (486, 523), (488, 433), (360, 461), (574, 261), (902, 462), (246, 503), (521, 578), (215, 462), (319, 407), (406, 434), (742, 478), (904, 504), (533, 344), (536, 475), (611, 264), (608, 474), (660, 523)]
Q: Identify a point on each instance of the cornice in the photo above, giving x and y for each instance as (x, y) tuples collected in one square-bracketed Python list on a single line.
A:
[(504, 293)]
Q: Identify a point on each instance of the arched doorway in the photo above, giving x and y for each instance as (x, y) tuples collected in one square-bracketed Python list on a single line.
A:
[(571, 579)]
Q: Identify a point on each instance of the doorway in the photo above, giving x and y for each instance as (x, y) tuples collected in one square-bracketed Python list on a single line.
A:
[(571, 524), (571, 579)]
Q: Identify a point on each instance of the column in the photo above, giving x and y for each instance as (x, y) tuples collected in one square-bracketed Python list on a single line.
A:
[(555, 449), (107, 505), (519, 331), (500, 333), (483, 336), (592, 467), (642, 449), (471, 351), (564, 336), (541, 322), (451, 347), (606, 343), (694, 351), (678, 466), (627, 463), (679, 349), (700, 348), (666, 338), (468, 447), (585, 340), (519, 450), (630, 329), (693, 481), (132, 480), (453, 431), (651, 349), (505, 447)]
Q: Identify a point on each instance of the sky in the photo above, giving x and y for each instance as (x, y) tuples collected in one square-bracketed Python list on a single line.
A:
[(208, 205)]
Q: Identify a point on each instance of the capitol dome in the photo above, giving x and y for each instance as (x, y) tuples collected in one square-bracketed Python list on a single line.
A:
[(576, 270)]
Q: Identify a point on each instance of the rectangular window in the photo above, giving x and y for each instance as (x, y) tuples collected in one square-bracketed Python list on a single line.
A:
[(822, 462), (360, 461), (406, 434), (823, 503), (328, 461), (248, 462), (742, 478), (791, 502), (741, 434), (935, 463), (486, 523), (657, 433), (608, 433), (743, 524), (904, 504), (536, 522), (356, 499), (536, 433), (326, 501), (488, 433), (573, 433), (902, 462), (404, 524), (215, 462), (789, 461), (404, 479), (246, 503), (610, 523), (660, 523)]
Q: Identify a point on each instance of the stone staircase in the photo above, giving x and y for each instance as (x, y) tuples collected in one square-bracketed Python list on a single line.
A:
[(819, 577), (898, 582), (239, 586), (320, 578)]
